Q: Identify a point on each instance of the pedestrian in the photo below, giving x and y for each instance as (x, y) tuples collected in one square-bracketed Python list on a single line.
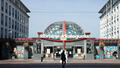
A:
[(15, 53), (42, 56), (63, 58)]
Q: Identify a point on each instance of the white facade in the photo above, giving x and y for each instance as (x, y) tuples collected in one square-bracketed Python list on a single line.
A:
[(110, 20), (14, 20)]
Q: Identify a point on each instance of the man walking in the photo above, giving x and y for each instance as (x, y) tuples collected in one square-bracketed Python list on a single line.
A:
[(63, 58), (42, 56)]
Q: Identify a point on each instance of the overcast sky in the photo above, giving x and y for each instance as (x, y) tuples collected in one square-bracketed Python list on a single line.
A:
[(83, 12)]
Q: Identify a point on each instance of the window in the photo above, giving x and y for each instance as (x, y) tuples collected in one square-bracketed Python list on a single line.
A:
[(6, 7), (12, 24), (117, 32), (2, 5), (2, 32), (9, 10), (9, 22), (6, 20), (12, 12), (2, 19), (13, 34), (114, 10), (15, 25), (5, 33), (117, 19), (15, 14), (117, 7), (18, 16)]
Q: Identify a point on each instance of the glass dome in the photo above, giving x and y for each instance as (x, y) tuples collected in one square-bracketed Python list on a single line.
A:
[(57, 29)]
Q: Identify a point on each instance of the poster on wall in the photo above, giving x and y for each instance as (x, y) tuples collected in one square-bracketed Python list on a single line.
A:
[(108, 51), (20, 51)]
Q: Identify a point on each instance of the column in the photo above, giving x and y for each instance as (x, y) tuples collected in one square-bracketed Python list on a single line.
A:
[(34, 48), (74, 53), (92, 50), (118, 50), (101, 48), (85, 48), (26, 47), (42, 46), (26, 53)]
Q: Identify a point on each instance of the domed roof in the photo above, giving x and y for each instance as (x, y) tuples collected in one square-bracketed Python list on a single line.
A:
[(57, 28)]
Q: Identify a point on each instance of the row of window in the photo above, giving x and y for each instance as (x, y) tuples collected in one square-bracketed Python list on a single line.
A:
[(5, 33), (107, 24), (109, 21), (13, 12), (110, 34), (114, 8), (12, 24), (12, 20)]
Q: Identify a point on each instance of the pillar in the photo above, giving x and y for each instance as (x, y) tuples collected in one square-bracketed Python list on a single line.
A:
[(42, 46), (74, 53), (26, 53), (101, 53), (85, 48), (118, 50), (34, 48), (26, 47), (101, 49)]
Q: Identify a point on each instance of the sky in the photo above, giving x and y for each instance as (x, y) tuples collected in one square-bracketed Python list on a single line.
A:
[(82, 12)]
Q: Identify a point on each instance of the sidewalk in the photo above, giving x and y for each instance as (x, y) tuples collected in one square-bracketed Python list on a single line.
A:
[(29, 61)]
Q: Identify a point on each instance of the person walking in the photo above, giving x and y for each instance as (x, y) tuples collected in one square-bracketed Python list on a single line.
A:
[(63, 58), (42, 56)]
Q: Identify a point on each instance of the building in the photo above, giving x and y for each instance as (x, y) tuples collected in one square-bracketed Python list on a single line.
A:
[(59, 36), (68, 36), (14, 20), (110, 20)]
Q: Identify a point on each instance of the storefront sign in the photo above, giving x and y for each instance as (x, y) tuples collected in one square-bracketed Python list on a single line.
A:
[(63, 37)]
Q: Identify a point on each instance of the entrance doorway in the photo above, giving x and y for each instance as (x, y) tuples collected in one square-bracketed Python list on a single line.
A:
[(69, 52), (58, 51)]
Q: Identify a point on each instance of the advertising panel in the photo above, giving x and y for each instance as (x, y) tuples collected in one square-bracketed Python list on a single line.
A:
[(108, 51), (20, 51)]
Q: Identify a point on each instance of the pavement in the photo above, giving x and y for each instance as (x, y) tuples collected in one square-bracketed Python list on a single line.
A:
[(58, 65), (30, 61)]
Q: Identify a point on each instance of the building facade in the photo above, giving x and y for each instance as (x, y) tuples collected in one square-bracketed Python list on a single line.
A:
[(59, 36), (14, 20), (68, 36), (110, 20)]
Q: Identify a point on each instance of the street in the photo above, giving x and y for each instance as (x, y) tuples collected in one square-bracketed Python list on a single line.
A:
[(57, 65)]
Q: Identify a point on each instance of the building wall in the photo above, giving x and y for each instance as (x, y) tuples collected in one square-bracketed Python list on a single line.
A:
[(14, 20), (109, 20)]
